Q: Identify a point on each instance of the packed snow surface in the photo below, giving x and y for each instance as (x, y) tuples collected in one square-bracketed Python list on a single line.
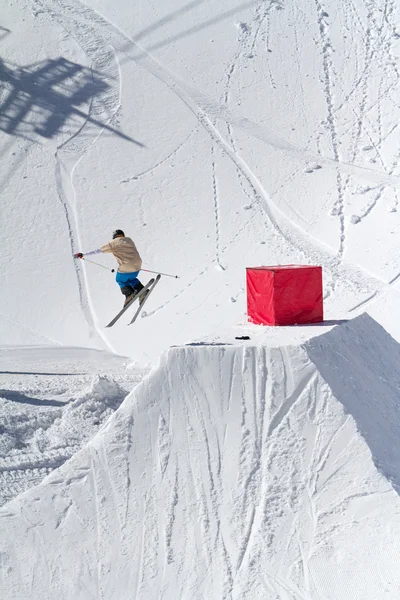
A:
[(218, 135), (229, 472)]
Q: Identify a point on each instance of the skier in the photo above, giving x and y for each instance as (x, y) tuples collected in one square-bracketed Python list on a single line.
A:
[(129, 264)]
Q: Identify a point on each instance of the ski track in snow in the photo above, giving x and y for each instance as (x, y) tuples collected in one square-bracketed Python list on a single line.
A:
[(35, 333), (152, 169), (326, 49), (246, 43), (216, 210), (197, 102), (97, 525), (103, 60), (378, 294), (374, 42), (377, 49)]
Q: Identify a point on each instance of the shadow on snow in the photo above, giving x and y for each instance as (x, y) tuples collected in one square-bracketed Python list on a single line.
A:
[(14, 396)]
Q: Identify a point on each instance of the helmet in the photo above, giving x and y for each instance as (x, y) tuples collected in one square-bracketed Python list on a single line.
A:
[(117, 233)]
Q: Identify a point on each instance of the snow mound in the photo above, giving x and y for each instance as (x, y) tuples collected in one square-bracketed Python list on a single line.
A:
[(52, 401), (92, 407), (33, 443), (230, 472)]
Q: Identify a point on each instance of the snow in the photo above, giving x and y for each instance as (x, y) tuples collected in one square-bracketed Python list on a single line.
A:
[(218, 136), (209, 120), (49, 410), (229, 472)]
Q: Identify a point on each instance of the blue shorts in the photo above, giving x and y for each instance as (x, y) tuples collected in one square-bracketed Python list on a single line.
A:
[(124, 279)]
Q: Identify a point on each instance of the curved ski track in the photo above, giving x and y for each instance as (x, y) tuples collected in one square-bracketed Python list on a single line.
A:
[(74, 15)]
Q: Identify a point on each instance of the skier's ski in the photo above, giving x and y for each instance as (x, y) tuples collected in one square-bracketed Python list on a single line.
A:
[(121, 312), (135, 316)]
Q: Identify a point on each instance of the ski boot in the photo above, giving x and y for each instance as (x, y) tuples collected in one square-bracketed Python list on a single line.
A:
[(130, 292)]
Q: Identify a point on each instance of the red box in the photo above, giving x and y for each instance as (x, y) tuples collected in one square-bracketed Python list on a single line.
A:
[(285, 295)]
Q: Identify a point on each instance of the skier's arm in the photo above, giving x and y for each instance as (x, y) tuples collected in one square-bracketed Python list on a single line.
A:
[(82, 254), (105, 248)]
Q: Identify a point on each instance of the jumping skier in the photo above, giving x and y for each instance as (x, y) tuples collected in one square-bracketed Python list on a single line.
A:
[(129, 264)]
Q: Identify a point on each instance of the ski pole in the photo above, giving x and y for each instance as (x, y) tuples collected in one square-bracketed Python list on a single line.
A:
[(113, 270), (165, 274), (98, 264)]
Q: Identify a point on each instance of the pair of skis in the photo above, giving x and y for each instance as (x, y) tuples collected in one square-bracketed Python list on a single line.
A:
[(148, 288)]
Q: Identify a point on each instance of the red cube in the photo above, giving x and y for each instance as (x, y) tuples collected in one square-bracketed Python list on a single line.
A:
[(285, 295)]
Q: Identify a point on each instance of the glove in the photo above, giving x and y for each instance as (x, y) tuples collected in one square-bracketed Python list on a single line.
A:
[(78, 255)]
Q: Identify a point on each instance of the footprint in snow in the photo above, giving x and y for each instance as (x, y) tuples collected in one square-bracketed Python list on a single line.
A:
[(312, 167)]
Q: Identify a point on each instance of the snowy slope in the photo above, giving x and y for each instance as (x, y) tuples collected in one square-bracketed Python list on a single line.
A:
[(218, 135), (230, 472)]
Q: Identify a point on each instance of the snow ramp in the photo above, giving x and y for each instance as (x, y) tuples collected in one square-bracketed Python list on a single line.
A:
[(230, 472)]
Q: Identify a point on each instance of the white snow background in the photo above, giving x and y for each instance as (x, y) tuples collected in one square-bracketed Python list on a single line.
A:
[(218, 135)]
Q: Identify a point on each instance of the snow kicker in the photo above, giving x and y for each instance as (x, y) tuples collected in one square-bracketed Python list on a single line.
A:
[(229, 472)]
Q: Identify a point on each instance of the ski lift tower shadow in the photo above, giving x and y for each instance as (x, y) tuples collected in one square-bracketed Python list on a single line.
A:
[(42, 98)]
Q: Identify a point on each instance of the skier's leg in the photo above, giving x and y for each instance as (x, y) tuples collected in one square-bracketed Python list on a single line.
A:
[(134, 282), (137, 286), (123, 281), (127, 290)]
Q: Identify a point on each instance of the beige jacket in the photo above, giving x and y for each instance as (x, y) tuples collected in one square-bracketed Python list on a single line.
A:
[(126, 253)]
